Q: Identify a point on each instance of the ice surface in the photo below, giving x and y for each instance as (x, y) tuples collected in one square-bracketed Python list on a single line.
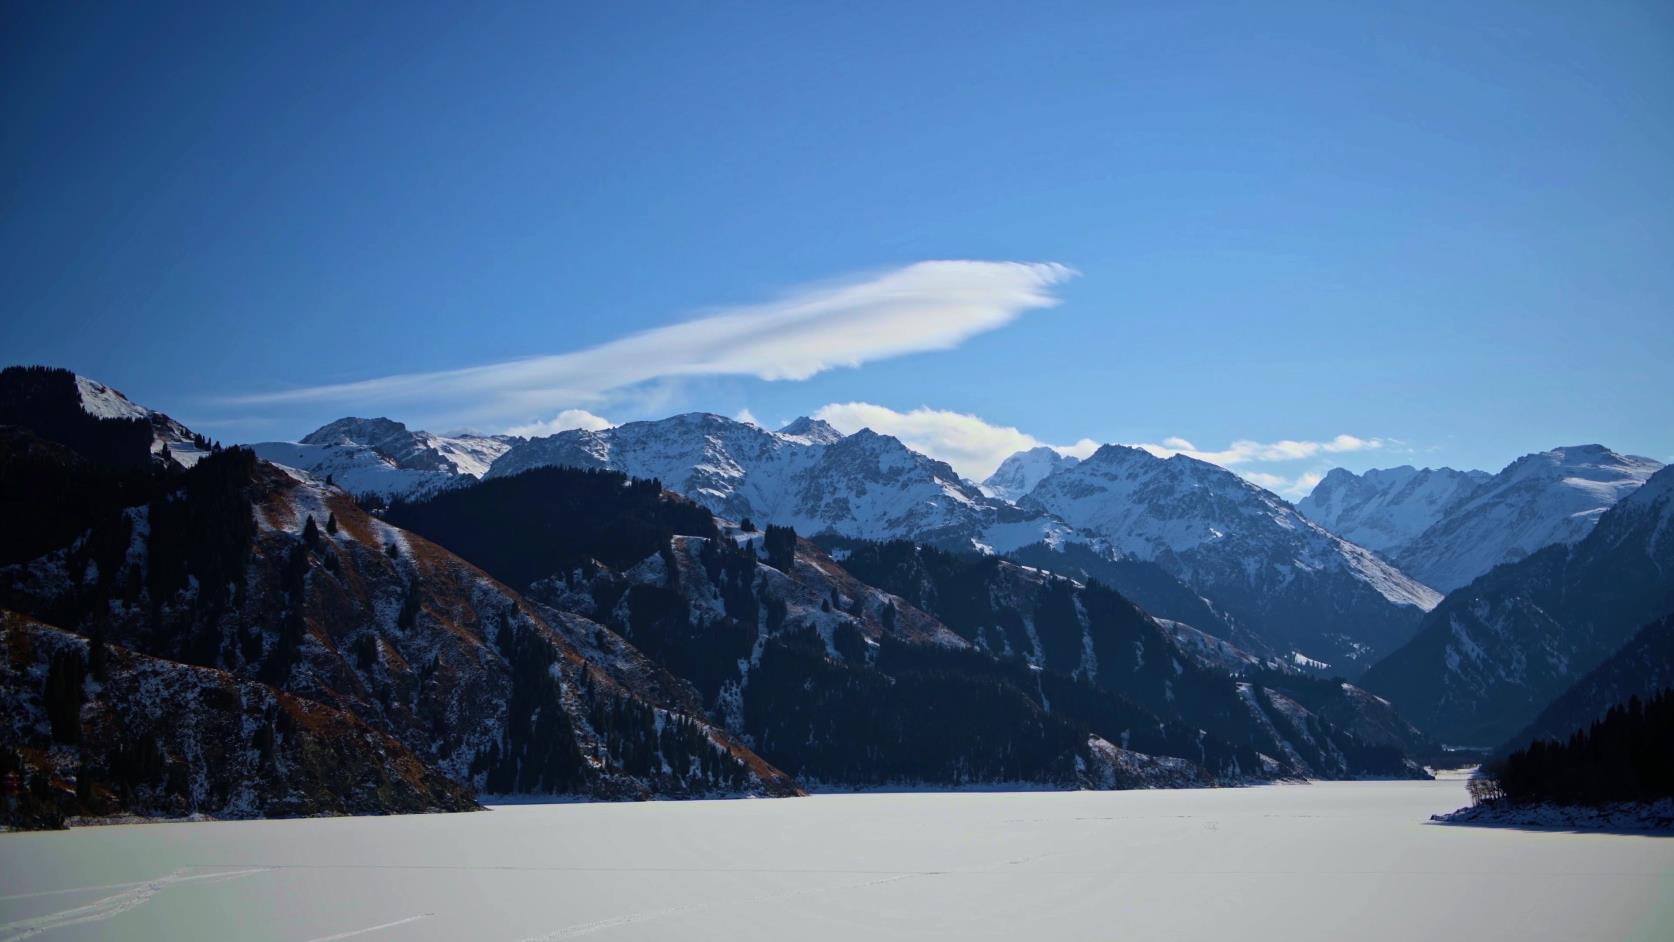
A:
[(1292, 862)]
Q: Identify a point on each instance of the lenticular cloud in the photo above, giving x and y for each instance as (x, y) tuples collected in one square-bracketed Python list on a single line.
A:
[(922, 307)]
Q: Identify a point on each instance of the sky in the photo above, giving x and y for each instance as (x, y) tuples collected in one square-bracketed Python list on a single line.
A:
[(1284, 237)]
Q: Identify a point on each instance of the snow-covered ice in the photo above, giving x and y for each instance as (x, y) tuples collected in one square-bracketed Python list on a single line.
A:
[(1292, 862)]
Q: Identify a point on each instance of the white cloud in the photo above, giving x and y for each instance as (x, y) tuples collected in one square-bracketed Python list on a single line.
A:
[(973, 446), (1245, 451), (562, 422), (922, 307), (1289, 488), (745, 415)]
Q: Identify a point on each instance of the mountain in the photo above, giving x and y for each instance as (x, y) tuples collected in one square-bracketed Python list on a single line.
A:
[(283, 587), (119, 732), (1094, 634), (1018, 474), (384, 458), (1384, 509), (1282, 577), (1642, 668), (1549, 497), (895, 663), (806, 476), (94, 420), (1493, 653), (1147, 585)]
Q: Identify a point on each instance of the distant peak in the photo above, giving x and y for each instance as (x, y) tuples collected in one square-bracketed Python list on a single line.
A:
[(815, 430), (1119, 453), (354, 429)]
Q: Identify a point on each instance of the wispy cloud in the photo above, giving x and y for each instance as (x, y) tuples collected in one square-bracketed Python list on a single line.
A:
[(1244, 451), (922, 307), (973, 446)]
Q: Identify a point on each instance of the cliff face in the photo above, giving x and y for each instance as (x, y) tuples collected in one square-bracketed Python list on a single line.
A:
[(95, 729)]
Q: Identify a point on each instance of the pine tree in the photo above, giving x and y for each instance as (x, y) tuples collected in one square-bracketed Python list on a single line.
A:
[(63, 696), (311, 532), (331, 524)]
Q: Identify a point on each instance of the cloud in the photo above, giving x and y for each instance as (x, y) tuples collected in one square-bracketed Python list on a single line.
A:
[(1245, 451), (746, 416), (1293, 489), (973, 446), (562, 422), (921, 307)]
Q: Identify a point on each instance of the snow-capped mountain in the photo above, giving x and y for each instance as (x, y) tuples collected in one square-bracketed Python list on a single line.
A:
[(1498, 650), (383, 457), (317, 615), (1244, 548), (1549, 497), (94, 419), (1018, 474), (806, 475), (1385, 508)]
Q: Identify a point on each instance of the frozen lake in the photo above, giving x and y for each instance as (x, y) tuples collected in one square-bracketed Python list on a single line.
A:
[(1294, 862)]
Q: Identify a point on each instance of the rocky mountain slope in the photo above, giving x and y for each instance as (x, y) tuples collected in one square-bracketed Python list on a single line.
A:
[(92, 729), (806, 476), (384, 458), (1296, 585), (1494, 653), (1095, 634), (1549, 497), (1642, 668), (282, 581), (795, 651), (1386, 508), (94, 420)]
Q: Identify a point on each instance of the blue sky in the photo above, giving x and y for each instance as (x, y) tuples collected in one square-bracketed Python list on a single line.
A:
[(1442, 230)]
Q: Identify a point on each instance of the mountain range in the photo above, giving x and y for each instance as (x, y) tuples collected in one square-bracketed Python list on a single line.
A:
[(698, 606), (1294, 584), (1495, 652), (1447, 527)]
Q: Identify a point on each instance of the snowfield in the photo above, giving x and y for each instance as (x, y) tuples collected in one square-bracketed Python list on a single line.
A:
[(1292, 862)]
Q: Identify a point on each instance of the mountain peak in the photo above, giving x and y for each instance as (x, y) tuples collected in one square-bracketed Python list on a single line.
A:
[(1547, 497), (1384, 508), (93, 419), (355, 430), (1017, 475), (816, 431)]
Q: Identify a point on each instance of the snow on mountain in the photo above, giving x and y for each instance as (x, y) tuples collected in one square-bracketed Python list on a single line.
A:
[(1385, 508), (169, 437), (93, 419), (1499, 649), (807, 475), (101, 401), (1549, 497), (1019, 474), (1245, 549), (383, 457), (813, 431)]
